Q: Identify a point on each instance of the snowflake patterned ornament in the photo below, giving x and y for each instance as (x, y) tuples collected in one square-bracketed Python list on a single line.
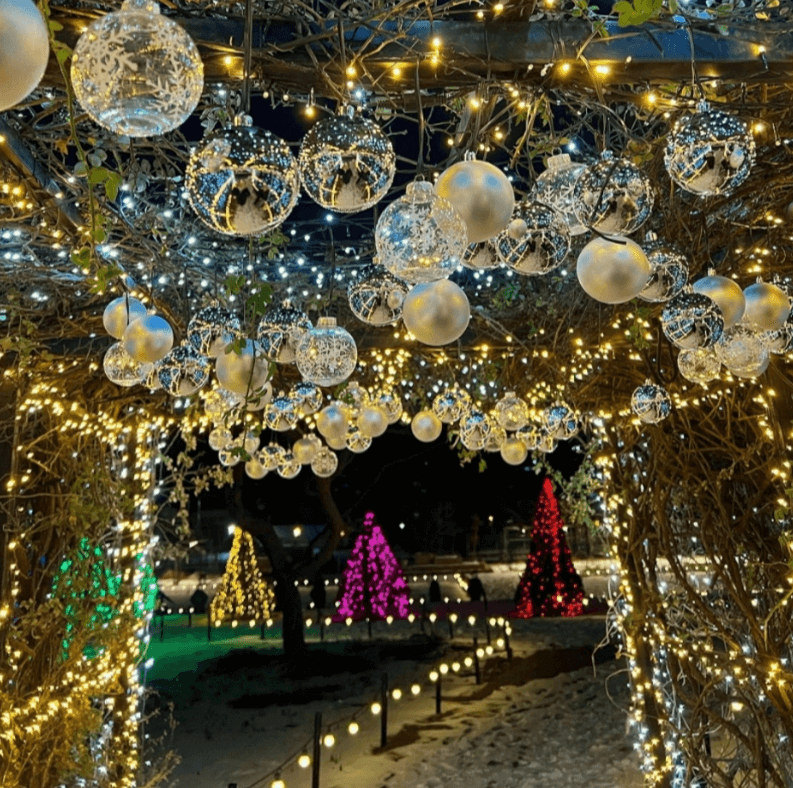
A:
[(327, 354), (243, 180), (651, 403), (136, 72), (482, 256), (536, 241)]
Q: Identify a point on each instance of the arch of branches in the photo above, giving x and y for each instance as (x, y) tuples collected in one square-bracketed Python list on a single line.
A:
[(710, 662)]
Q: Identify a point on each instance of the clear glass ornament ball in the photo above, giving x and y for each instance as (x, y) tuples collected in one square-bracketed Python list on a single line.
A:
[(475, 428), (308, 397), (512, 412), (699, 365), (218, 402), (347, 163), (136, 72), (327, 354), (420, 237), (556, 187), (289, 467), (651, 403), (391, 405), (376, 296), (122, 369), (324, 463), (542, 247), (742, 347), (271, 456), (243, 181), (220, 438)]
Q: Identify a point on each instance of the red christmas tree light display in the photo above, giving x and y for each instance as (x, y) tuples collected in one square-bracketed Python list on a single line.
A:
[(373, 584), (550, 586)]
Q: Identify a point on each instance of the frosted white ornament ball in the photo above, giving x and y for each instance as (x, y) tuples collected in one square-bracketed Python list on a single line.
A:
[(24, 50), (337, 444), (148, 339), (332, 422), (426, 426), (304, 450), (436, 313), (372, 421), (242, 372), (120, 312), (613, 272)]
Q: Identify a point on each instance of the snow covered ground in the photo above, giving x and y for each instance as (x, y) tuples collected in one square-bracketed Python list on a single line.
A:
[(543, 720)]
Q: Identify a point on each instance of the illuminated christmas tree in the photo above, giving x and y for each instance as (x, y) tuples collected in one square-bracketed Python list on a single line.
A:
[(243, 594), (373, 585), (550, 586)]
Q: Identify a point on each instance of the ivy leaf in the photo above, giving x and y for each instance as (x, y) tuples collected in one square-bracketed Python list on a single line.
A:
[(233, 284), (236, 346), (258, 302)]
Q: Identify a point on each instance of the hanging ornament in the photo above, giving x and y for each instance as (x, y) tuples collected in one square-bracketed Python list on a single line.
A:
[(481, 257), (280, 331), (495, 438), (668, 272), (376, 296), (542, 245), (753, 370), (152, 380), (481, 194), (356, 441), (560, 421), (307, 397), (220, 438), (120, 313), (218, 402), (324, 463), (742, 349), (391, 405), (372, 421), (24, 51), (289, 467), (244, 371), (243, 181), (354, 398), (420, 237), (251, 441), (122, 369), (136, 72), (699, 365), (613, 196), (337, 444), (531, 436), (231, 455), (426, 426), (547, 443), (346, 162), (332, 422), (512, 413), (271, 456), (767, 306), (692, 320), (281, 414), (305, 449), (556, 187), (184, 371), (710, 152), (613, 271), (474, 430), (779, 342), (651, 403), (436, 313), (514, 451), (327, 354), (211, 329), (451, 404), (148, 339), (726, 293), (254, 469)]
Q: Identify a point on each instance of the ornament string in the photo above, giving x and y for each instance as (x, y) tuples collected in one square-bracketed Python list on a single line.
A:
[(248, 57)]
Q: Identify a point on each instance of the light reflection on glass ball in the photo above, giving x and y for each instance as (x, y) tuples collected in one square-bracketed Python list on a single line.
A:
[(692, 320), (699, 365), (556, 187), (346, 163), (280, 331), (211, 329), (669, 272), (243, 181), (120, 312), (184, 371), (512, 412), (651, 403), (542, 247), (767, 306), (376, 296), (122, 369)]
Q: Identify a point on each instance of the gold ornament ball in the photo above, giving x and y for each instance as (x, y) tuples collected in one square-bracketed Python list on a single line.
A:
[(436, 313), (482, 195), (148, 339), (426, 426), (767, 306), (120, 312), (24, 50), (613, 271), (304, 450), (726, 293), (337, 443), (372, 421), (514, 451), (516, 229)]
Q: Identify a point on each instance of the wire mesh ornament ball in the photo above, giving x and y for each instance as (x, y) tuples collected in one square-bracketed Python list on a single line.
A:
[(289, 467), (426, 426), (231, 455), (184, 371), (669, 272), (547, 443), (560, 420), (122, 369), (136, 72), (420, 237), (120, 313), (779, 342), (767, 306), (211, 329), (356, 441), (726, 293), (218, 403), (556, 187), (495, 438), (271, 456), (242, 370), (710, 152), (305, 449), (541, 247), (613, 196), (531, 435), (327, 354), (699, 365), (220, 438), (251, 441), (353, 398), (148, 339), (651, 403), (450, 405), (742, 348), (481, 257), (281, 414), (308, 397), (436, 313), (254, 469), (346, 162), (474, 430), (482, 195), (152, 380), (391, 405), (372, 421), (243, 181), (280, 330), (514, 451), (612, 270), (692, 320), (511, 412), (332, 422), (324, 463), (24, 50), (376, 296)]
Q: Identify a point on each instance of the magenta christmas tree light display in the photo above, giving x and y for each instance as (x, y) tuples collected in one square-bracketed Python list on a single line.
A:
[(372, 583), (550, 586)]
